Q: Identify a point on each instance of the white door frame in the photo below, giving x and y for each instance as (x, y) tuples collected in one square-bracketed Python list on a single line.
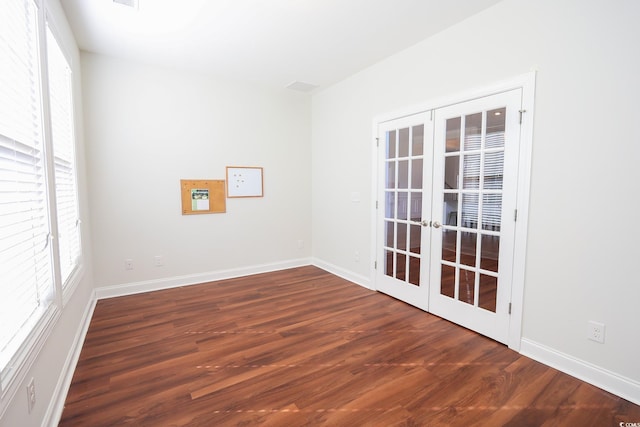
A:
[(526, 82)]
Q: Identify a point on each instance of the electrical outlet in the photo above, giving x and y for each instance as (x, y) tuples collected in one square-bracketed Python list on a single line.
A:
[(128, 264), (31, 394), (595, 331), (158, 260)]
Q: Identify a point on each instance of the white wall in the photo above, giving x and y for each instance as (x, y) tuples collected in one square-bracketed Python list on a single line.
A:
[(583, 241), (53, 366), (147, 128)]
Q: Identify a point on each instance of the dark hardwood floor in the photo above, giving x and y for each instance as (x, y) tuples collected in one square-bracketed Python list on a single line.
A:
[(303, 347)]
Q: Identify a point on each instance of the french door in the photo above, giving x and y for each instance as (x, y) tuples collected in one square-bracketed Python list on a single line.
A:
[(405, 188), (446, 230)]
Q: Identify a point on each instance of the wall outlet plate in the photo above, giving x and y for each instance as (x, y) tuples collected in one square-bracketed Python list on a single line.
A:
[(595, 331)]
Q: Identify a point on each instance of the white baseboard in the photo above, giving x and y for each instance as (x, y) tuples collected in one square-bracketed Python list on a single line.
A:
[(614, 383), (194, 279), (341, 272), (56, 405)]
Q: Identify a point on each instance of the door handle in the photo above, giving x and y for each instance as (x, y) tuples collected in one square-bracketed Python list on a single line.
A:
[(423, 223), (436, 224)]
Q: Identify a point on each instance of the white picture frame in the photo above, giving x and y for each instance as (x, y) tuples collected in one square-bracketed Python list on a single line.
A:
[(244, 181)]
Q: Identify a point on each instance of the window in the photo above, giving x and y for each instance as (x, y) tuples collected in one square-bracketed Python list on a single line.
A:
[(39, 232), (61, 107)]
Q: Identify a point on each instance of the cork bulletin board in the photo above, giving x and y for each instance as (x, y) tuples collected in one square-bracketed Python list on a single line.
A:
[(244, 181), (203, 196)]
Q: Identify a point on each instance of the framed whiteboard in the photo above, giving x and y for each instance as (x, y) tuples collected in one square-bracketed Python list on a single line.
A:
[(244, 181)]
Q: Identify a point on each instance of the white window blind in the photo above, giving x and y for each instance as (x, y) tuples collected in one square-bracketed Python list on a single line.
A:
[(61, 111), (26, 277), (492, 181), (490, 174)]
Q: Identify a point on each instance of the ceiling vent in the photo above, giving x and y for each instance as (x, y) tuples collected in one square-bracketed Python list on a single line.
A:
[(130, 3), (301, 86)]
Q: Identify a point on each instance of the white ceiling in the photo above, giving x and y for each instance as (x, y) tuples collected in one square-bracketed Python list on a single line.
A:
[(270, 41)]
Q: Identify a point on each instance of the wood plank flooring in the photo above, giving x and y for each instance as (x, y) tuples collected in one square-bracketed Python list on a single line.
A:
[(302, 347)]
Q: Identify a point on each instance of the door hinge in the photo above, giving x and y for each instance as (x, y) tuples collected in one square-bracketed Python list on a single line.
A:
[(431, 115), (376, 204), (375, 265), (521, 113), (377, 142), (509, 308), (515, 214)]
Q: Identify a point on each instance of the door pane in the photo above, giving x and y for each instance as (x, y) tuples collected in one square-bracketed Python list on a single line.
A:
[(448, 281), (471, 171), (390, 175), (402, 236), (416, 174), (403, 174), (388, 263), (470, 210), (389, 234), (401, 267), (403, 203), (415, 238), (451, 172), (468, 248), (453, 135), (491, 211), (489, 250), (414, 270), (496, 127), (472, 132), (493, 166), (488, 294), (452, 217), (449, 244), (403, 142), (391, 144), (390, 204), (467, 287), (416, 206), (417, 145)]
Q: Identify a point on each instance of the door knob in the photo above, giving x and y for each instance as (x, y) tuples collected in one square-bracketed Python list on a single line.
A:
[(436, 224)]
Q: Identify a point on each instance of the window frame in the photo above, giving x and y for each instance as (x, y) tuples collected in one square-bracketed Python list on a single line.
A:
[(67, 287), (32, 337)]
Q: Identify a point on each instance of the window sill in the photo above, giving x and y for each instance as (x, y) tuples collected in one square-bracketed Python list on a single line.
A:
[(15, 370), (72, 283)]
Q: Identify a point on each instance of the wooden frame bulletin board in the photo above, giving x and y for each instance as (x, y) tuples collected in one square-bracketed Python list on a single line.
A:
[(202, 196), (243, 181)]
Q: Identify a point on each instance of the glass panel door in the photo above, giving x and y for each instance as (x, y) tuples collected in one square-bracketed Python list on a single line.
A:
[(475, 171), (404, 239), (445, 230)]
